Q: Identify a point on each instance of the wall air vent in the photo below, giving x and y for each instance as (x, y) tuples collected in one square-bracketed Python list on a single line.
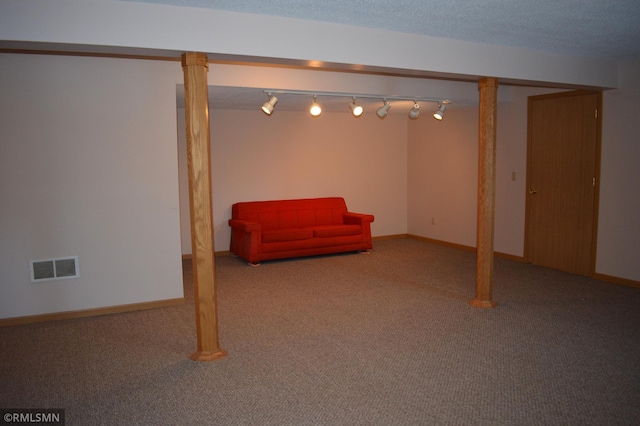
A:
[(54, 269)]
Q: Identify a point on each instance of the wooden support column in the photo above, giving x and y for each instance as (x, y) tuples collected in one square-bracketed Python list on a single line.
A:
[(488, 88), (195, 68)]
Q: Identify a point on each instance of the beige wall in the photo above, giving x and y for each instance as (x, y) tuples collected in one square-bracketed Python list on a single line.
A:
[(442, 176), (292, 155), (443, 173), (619, 219), (88, 168), (431, 176)]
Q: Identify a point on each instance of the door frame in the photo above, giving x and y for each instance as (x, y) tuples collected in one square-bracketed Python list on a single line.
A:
[(596, 195)]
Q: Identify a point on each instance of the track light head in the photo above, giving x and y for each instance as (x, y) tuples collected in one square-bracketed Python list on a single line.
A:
[(315, 109), (268, 106), (382, 111), (439, 114), (356, 109), (415, 111)]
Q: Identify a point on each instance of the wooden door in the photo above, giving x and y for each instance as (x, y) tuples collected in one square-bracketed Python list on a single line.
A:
[(562, 181)]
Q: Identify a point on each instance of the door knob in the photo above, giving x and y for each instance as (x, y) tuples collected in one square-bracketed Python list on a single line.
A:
[(533, 191)]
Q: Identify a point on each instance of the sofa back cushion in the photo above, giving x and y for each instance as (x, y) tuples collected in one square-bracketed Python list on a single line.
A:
[(284, 214)]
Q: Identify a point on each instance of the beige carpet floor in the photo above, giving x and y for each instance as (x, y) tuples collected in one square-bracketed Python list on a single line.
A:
[(381, 339)]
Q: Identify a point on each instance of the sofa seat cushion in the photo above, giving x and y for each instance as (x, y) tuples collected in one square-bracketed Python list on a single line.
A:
[(336, 230), (283, 235), (314, 244)]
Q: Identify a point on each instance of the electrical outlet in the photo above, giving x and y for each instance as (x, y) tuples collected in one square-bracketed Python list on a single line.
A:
[(433, 220)]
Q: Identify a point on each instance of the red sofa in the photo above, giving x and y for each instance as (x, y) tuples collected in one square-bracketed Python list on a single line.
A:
[(268, 230)]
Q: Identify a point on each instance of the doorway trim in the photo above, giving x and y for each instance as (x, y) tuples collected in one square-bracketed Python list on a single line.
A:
[(598, 150)]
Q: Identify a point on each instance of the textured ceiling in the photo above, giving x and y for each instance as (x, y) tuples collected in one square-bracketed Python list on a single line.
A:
[(604, 29)]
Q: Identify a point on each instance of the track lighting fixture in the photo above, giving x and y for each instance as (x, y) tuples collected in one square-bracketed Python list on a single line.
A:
[(315, 108), (356, 109), (415, 111), (382, 111), (268, 106), (439, 114)]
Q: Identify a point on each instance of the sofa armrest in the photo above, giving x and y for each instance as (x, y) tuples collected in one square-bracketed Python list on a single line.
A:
[(244, 225), (357, 218), (245, 239), (364, 220)]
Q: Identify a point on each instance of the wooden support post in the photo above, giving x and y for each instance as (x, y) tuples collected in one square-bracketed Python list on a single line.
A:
[(195, 67), (488, 88)]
